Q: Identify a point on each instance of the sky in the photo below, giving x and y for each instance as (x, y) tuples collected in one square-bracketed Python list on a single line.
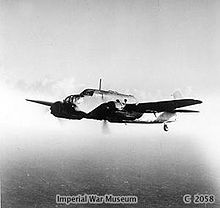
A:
[(50, 49), (149, 45)]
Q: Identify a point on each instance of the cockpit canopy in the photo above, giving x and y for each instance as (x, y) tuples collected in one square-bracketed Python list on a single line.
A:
[(108, 95), (87, 92), (74, 98), (71, 98)]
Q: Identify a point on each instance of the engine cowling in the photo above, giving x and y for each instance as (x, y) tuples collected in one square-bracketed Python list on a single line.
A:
[(66, 110), (56, 108)]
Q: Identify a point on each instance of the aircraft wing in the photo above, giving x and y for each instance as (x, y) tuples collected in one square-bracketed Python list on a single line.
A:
[(140, 122), (161, 106), (40, 102)]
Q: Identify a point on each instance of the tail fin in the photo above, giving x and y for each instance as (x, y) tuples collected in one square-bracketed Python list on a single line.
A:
[(177, 94)]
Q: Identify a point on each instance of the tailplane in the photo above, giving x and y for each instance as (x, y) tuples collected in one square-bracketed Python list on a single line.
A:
[(177, 94)]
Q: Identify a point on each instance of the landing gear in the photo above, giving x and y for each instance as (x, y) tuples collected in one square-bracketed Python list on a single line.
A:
[(165, 127)]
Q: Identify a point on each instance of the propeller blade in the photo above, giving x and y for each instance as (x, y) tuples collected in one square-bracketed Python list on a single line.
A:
[(105, 127), (61, 121)]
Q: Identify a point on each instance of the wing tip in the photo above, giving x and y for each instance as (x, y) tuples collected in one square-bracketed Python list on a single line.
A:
[(40, 102), (198, 101)]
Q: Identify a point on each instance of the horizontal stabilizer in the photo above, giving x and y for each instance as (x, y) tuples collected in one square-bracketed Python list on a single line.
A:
[(177, 94), (40, 102)]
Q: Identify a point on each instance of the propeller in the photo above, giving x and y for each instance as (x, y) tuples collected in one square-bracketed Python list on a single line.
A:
[(105, 127), (100, 87), (46, 110), (61, 121)]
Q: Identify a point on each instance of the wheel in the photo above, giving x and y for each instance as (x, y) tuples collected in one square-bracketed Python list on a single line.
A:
[(165, 127)]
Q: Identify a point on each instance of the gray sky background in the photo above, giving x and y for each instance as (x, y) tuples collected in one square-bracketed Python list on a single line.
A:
[(148, 45), (49, 49)]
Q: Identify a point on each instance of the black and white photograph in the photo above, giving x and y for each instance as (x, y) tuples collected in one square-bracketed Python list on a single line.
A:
[(110, 103)]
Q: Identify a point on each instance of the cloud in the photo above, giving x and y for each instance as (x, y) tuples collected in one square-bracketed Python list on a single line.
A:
[(48, 86)]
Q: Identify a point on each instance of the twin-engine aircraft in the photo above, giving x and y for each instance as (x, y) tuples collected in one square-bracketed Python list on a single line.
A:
[(116, 107)]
